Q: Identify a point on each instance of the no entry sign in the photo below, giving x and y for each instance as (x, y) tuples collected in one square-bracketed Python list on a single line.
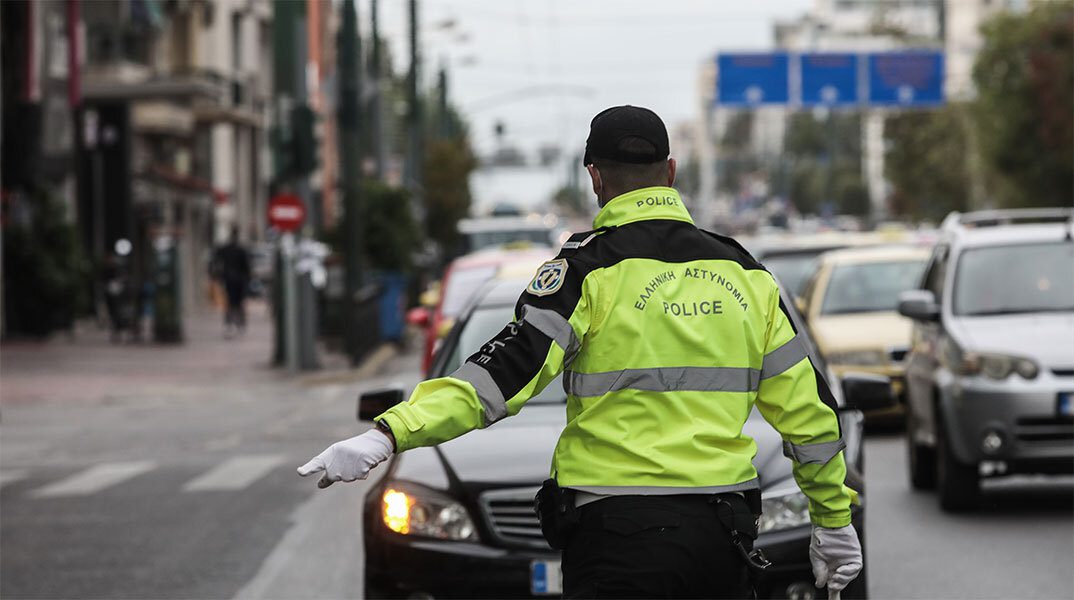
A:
[(286, 212)]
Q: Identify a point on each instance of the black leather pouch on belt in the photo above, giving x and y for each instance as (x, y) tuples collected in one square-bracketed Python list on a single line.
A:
[(556, 512)]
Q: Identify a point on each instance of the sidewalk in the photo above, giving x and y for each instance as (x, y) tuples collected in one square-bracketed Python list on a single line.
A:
[(90, 367)]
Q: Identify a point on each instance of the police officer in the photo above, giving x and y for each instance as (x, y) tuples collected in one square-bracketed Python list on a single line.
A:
[(666, 336)]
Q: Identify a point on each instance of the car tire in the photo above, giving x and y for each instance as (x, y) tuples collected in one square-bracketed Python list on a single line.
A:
[(921, 459), (958, 483)]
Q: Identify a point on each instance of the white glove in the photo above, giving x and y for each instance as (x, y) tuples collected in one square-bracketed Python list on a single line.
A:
[(836, 557), (349, 459)]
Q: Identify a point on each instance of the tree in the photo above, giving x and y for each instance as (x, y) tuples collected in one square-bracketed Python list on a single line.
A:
[(448, 164), (926, 162), (390, 234), (1025, 83), (826, 158), (45, 276)]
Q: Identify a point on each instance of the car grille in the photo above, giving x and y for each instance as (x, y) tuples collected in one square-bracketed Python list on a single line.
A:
[(1044, 429), (898, 354), (1063, 372), (509, 513)]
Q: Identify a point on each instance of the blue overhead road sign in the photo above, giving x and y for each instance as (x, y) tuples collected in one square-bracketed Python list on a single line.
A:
[(752, 79), (906, 78), (829, 79)]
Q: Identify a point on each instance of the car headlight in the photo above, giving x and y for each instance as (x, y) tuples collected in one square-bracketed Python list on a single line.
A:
[(784, 511), (990, 364), (858, 357), (410, 510)]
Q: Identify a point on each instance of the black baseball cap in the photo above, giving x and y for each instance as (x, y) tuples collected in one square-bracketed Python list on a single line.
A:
[(611, 127)]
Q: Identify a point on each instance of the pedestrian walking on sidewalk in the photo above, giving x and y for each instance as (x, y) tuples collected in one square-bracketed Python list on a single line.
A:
[(231, 267), (667, 336)]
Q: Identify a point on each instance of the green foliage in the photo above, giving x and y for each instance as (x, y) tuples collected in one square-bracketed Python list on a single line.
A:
[(46, 278), (825, 154), (448, 163), (1025, 81), (926, 163), (389, 230), (390, 234)]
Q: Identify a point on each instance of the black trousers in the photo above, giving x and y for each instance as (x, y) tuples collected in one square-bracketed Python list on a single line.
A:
[(654, 547)]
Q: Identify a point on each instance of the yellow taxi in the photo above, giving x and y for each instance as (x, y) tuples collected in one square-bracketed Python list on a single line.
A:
[(850, 305)]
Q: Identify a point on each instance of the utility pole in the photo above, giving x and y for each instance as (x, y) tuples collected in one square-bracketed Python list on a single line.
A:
[(414, 168), (376, 104), (350, 162), (442, 103), (295, 156)]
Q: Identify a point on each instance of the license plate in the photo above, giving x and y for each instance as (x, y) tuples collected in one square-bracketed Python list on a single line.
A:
[(546, 578), (1064, 406)]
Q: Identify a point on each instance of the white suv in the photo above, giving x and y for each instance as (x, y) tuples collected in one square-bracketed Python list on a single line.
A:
[(990, 374)]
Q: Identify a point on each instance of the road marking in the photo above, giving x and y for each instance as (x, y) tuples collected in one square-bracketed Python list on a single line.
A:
[(94, 479), (10, 476), (234, 474)]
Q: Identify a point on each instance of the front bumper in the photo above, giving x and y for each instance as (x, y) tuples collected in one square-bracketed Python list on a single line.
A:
[(1024, 414), (397, 564)]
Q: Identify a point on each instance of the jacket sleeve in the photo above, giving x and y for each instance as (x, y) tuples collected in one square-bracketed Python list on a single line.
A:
[(795, 399), (517, 364)]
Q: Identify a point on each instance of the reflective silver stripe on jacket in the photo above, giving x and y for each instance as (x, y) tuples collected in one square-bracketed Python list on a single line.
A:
[(642, 490), (552, 324), (488, 392), (818, 454), (664, 379), (784, 357)]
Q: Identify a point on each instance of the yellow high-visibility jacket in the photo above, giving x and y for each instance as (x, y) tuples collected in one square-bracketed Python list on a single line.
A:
[(667, 336)]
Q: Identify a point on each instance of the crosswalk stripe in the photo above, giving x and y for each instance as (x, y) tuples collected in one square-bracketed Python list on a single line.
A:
[(234, 474), (94, 479), (10, 476)]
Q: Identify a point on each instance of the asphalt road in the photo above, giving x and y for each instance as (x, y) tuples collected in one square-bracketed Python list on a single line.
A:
[(1019, 544), (176, 486), (190, 492)]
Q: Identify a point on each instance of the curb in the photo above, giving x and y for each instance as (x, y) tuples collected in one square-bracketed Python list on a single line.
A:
[(373, 363)]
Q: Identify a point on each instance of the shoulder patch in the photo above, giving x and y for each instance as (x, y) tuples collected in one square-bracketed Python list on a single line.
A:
[(549, 278)]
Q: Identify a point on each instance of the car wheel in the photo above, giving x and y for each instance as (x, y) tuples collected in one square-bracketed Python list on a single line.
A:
[(921, 459), (959, 483)]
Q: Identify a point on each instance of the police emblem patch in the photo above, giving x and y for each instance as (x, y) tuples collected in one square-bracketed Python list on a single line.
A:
[(549, 278)]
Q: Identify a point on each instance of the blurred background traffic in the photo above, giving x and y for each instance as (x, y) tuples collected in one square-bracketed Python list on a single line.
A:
[(224, 220)]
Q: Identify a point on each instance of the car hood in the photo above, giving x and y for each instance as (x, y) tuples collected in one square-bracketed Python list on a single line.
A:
[(1044, 337), (518, 451), (838, 333)]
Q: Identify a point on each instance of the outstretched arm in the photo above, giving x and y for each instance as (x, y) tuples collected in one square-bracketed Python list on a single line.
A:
[(553, 315)]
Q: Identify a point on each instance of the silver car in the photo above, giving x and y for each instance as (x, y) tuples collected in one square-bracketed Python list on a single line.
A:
[(990, 373)]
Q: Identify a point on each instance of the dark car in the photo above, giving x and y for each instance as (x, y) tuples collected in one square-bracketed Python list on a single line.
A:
[(457, 519)]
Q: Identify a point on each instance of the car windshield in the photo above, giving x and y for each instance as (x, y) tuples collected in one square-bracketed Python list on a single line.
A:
[(461, 285), (1002, 280), (489, 239), (870, 287), (483, 324), (792, 270)]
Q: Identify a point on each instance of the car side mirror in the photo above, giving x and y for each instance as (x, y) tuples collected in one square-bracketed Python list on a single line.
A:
[(862, 391), (418, 317), (371, 404), (919, 305)]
